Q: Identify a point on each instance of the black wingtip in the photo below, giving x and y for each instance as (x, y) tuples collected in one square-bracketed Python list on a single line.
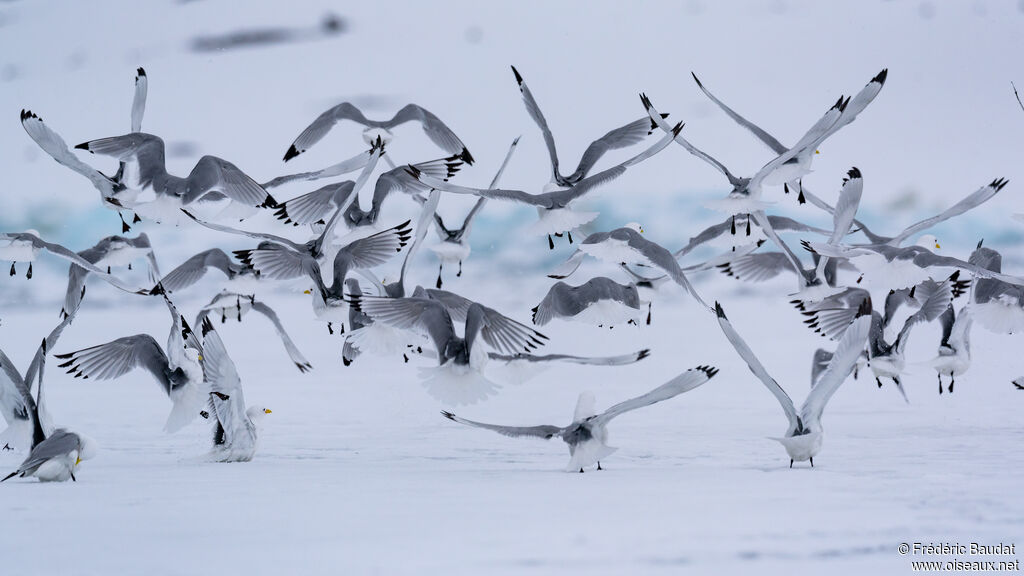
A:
[(853, 173), (710, 371), (865, 308), (695, 79), (291, 153), (998, 183), (26, 114), (140, 71), (82, 146), (519, 78), (207, 325), (677, 128), (446, 413), (643, 354), (719, 311), (467, 157), (881, 76)]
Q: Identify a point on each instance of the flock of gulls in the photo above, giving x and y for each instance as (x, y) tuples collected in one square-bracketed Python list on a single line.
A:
[(835, 272)]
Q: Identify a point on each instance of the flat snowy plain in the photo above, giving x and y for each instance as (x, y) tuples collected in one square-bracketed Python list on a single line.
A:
[(357, 472)]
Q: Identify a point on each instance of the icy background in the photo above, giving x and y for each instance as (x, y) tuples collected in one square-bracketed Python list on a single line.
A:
[(357, 472)]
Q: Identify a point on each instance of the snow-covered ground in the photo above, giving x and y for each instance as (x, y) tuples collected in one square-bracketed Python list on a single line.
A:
[(357, 472)]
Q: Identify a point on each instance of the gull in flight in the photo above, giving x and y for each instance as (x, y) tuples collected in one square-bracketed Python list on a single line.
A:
[(435, 129), (600, 301), (627, 245), (454, 245), (110, 251), (997, 306), (553, 208), (238, 305), (804, 434), (587, 434), (621, 137)]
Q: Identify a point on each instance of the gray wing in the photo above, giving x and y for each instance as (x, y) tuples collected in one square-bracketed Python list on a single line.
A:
[(192, 270), (15, 396), (538, 117), (76, 289), (467, 224), (118, 357), (60, 443), (658, 120), (321, 126), (399, 180), (542, 200), (819, 363), (213, 174), (438, 132), (293, 352), (139, 101), (316, 206), (257, 235), (831, 316), (144, 150), (421, 315), (860, 101), (620, 360), (357, 162), (62, 252), (376, 249), (839, 367), (226, 398), (758, 369), (54, 145), (978, 197), (756, 267), (621, 137), (684, 382), (761, 135), (545, 432), (279, 262), (499, 331), (811, 139)]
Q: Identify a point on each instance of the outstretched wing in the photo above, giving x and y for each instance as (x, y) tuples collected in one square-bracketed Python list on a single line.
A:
[(684, 382), (499, 331), (118, 357), (840, 365), (293, 352), (545, 432), (757, 368)]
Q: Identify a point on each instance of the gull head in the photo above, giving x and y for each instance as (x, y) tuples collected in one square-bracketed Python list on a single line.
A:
[(370, 135), (87, 448), (929, 241), (635, 226), (256, 413)]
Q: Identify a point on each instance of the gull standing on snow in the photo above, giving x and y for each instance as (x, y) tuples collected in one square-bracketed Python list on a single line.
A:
[(178, 369), (435, 129), (236, 432), (804, 435), (238, 305), (587, 435), (55, 459), (955, 348), (553, 208)]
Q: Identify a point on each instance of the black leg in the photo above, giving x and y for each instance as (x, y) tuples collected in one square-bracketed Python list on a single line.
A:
[(879, 380), (7, 447), (551, 243), (581, 470), (569, 234), (599, 465), (404, 357), (125, 228), (439, 269), (940, 382), (73, 477), (13, 271), (951, 381), (648, 313), (129, 265), (330, 329), (801, 198), (459, 275), (812, 462), (136, 219), (748, 226), (28, 275), (790, 462), (732, 229)]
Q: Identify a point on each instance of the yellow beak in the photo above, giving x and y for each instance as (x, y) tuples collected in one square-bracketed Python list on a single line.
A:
[(937, 247), (817, 151), (200, 357), (78, 461), (307, 291), (267, 411)]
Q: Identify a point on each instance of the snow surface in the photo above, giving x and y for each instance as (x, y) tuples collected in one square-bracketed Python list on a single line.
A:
[(357, 472)]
